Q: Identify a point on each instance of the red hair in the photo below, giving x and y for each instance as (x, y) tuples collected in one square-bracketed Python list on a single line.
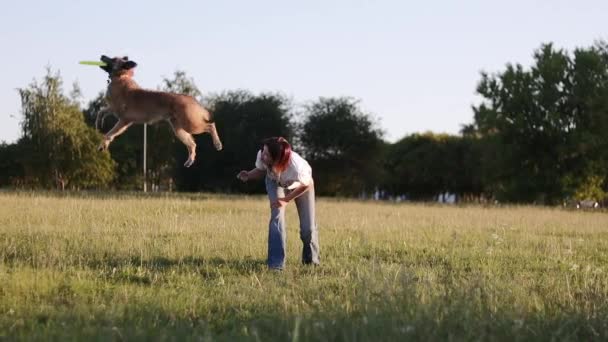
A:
[(280, 152)]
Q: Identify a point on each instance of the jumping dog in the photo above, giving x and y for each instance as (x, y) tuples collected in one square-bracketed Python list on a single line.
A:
[(132, 104)]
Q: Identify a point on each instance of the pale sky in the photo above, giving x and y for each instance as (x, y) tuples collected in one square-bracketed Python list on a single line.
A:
[(414, 65)]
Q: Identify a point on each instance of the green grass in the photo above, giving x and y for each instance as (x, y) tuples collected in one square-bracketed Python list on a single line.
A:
[(191, 267)]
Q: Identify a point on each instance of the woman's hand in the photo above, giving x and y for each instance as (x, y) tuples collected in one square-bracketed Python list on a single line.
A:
[(243, 176), (279, 203)]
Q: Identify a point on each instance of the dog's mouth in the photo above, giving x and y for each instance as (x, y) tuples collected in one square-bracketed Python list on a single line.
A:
[(108, 61)]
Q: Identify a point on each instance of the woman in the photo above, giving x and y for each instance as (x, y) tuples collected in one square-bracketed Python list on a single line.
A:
[(288, 178)]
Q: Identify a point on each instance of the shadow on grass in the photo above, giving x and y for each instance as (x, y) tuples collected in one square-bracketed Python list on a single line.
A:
[(134, 270), (159, 263), (410, 319)]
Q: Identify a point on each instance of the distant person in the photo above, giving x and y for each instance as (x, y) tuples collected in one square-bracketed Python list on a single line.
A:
[(288, 178)]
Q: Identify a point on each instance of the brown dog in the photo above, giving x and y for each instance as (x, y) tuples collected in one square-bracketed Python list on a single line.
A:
[(132, 104)]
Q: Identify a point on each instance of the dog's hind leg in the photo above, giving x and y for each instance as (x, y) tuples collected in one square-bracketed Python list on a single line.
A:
[(118, 129), (101, 115), (188, 140)]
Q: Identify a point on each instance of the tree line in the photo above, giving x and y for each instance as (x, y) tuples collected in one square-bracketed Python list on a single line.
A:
[(539, 135)]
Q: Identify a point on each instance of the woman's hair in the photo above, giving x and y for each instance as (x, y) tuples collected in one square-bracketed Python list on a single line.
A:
[(280, 151)]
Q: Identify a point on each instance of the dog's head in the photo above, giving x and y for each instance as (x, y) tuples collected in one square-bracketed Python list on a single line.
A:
[(117, 66)]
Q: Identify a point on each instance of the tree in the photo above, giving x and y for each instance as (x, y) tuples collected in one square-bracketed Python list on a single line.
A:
[(59, 149), (588, 101), (181, 84), (539, 124), (422, 166), (343, 145), (11, 166)]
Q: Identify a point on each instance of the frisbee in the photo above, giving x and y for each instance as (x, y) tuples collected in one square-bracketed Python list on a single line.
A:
[(96, 63)]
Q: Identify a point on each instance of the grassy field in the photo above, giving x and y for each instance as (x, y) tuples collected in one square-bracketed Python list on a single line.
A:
[(191, 267)]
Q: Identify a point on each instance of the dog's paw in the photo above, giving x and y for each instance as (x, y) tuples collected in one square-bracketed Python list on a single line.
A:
[(218, 145), (104, 145), (189, 162)]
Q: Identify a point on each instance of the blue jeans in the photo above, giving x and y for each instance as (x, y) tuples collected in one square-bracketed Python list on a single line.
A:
[(277, 232)]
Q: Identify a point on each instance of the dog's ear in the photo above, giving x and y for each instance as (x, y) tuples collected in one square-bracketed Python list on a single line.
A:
[(125, 58), (129, 65)]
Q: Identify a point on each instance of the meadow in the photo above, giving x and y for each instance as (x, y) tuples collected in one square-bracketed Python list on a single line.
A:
[(187, 267)]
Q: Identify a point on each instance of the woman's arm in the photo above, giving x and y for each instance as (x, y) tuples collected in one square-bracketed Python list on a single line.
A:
[(251, 174), (297, 192)]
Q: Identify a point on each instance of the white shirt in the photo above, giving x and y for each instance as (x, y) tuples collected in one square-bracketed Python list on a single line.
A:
[(298, 171)]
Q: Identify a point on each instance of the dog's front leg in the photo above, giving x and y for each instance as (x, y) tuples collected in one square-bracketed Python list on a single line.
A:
[(118, 129)]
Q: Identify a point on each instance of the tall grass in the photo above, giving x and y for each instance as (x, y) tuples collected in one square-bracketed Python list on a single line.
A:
[(191, 267)]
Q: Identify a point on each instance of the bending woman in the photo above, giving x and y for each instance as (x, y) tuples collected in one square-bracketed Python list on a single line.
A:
[(288, 178)]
